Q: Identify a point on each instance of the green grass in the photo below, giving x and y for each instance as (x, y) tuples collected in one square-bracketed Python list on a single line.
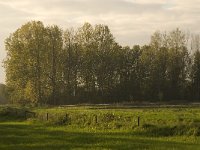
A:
[(160, 129), (23, 135)]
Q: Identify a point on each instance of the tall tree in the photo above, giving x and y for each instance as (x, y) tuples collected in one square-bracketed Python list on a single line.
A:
[(46, 65), (85, 39), (195, 70), (178, 63), (25, 50), (159, 74), (72, 60), (105, 69), (54, 61)]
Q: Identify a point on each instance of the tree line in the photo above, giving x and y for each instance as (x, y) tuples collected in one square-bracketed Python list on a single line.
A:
[(49, 65)]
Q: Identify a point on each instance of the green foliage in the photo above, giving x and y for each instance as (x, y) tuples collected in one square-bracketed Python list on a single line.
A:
[(195, 75), (47, 65), (3, 94), (12, 113)]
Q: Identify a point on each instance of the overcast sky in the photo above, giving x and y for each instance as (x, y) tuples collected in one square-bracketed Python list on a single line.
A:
[(131, 21)]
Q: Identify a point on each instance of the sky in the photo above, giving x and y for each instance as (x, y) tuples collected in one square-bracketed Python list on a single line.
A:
[(130, 21)]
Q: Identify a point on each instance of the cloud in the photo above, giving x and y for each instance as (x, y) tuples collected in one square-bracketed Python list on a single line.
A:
[(131, 21)]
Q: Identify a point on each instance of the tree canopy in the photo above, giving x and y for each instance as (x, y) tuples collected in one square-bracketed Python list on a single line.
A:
[(49, 65)]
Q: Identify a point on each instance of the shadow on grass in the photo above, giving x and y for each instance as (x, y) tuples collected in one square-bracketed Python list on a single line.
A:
[(23, 136)]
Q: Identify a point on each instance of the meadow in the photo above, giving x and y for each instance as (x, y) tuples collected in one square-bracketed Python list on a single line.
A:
[(99, 127)]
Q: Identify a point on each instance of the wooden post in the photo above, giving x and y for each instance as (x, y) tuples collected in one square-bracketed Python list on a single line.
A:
[(95, 118), (69, 119), (47, 116), (138, 121), (66, 118)]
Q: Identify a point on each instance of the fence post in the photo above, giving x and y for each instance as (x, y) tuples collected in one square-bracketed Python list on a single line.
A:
[(66, 116), (47, 116), (138, 121), (95, 118)]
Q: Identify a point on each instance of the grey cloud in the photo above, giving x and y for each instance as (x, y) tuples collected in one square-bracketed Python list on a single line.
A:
[(11, 17), (93, 7), (99, 7)]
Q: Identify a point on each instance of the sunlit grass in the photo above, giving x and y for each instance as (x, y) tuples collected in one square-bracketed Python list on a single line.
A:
[(34, 134), (23, 135)]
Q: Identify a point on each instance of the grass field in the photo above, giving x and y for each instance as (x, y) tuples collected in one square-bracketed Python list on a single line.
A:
[(99, 128)]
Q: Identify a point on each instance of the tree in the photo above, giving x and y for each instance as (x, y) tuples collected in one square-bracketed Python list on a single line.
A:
[(46, 65), (195, 69), (24, 61), (178, 64), (53, 65), (3, 94), (85, 40), (72, 60), (159, 70), (105, 61), (130, 75)]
